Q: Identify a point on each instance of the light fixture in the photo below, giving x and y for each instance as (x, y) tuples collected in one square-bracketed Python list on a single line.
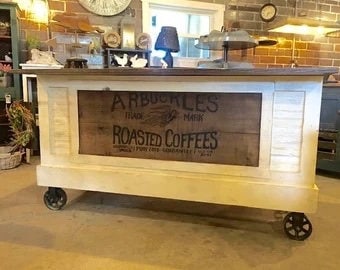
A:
[(39, 11), (299, 25), (36, 10), (303, 26), (334, 34)]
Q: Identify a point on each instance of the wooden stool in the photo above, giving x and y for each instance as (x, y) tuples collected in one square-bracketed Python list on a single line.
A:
[(76, 63)]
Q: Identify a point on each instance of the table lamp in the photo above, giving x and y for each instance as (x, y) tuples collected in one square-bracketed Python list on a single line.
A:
[(167, 41)]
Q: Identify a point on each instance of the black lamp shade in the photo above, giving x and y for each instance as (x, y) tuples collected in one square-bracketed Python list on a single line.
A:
[(167, 41)]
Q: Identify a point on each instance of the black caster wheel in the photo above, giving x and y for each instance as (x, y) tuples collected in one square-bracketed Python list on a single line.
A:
[(297, 226), (55, 198)]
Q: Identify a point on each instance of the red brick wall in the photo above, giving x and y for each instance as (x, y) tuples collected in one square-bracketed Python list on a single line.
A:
[(309, 50), (29, 28), (315, 51)]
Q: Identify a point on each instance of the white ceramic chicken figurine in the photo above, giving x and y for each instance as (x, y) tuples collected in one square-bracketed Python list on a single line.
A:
[(122, 61), (138, 63)]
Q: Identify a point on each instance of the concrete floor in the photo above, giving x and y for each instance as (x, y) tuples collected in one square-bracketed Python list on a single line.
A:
[(107, 231)]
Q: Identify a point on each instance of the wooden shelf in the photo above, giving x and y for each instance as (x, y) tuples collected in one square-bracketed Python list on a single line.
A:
[(109, 61), (128, 50), (9, 88), (9, 42)]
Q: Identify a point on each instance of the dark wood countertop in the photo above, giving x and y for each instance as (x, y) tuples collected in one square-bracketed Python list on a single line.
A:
[(127, 71)]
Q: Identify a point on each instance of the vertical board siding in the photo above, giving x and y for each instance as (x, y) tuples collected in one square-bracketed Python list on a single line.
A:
[(60, 141), (288, 109)]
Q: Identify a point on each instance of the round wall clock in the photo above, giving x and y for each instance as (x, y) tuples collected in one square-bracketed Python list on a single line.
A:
[(268, 12), (105, 7)]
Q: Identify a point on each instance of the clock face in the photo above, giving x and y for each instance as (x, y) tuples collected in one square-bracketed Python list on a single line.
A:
[(268, 12), (105, 7)]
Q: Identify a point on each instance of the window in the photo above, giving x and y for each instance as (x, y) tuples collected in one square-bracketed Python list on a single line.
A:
[(191, 18)]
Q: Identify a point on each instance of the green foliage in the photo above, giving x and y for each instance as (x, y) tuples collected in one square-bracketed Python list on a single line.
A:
[(21, 124), (32, 42)]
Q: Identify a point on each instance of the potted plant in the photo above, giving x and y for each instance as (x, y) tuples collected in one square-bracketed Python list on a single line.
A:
[(4, 78), (32, 42), (21, 123)]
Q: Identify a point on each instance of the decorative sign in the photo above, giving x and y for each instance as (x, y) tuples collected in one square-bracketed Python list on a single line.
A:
[(220, 128)]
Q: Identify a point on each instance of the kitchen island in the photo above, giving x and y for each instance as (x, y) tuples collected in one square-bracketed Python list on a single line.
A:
[(237, 137)]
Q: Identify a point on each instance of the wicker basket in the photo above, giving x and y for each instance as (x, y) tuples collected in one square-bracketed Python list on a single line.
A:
[(8, 160)]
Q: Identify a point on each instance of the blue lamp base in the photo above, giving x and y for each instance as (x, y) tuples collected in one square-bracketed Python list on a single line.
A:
[(168, 59)]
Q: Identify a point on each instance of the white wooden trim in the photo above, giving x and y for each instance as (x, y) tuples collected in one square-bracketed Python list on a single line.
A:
[(290, 188), (216, 10)]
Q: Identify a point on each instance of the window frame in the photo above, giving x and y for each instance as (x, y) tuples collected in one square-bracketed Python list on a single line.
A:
[(215, 11)]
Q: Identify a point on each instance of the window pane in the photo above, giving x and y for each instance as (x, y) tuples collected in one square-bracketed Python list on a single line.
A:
[(189, 26), (188, 49), (166, 18), (198, 24)]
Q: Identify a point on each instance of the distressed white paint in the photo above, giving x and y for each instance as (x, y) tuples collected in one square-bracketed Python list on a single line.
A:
[(58, 107), (283, 180), (287, 131)]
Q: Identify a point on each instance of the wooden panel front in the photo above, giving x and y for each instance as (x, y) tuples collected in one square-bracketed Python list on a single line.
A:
[(220, 128)]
